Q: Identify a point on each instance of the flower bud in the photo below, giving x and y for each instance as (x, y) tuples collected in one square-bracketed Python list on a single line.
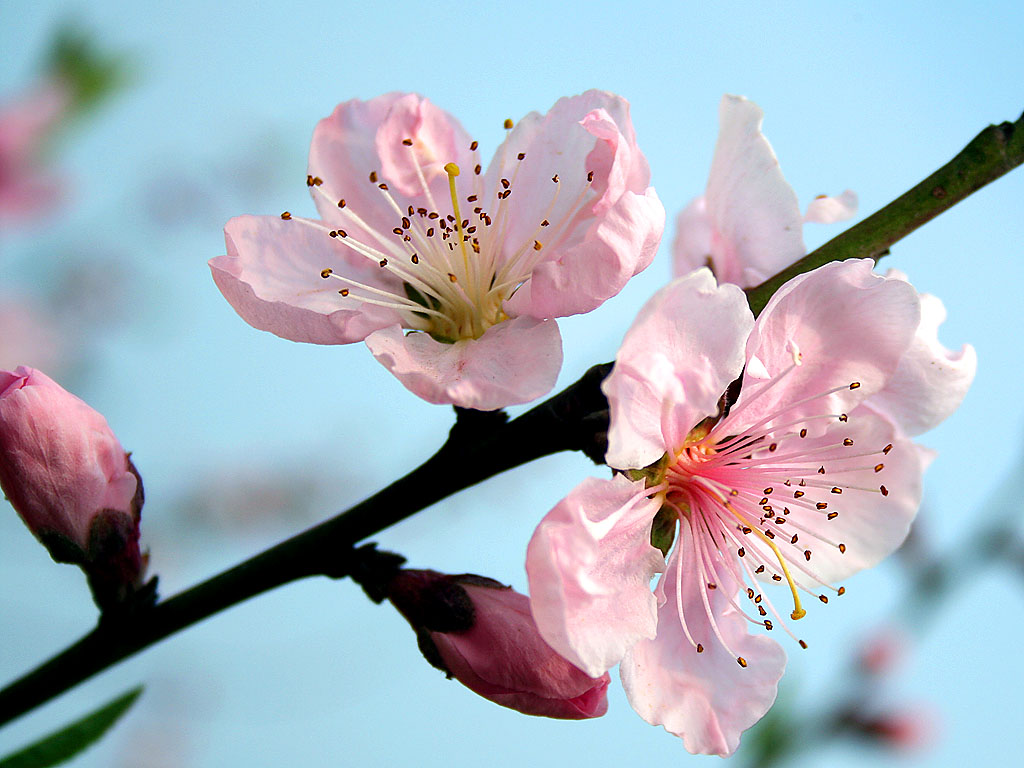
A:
[(67, 476), (483, 634)]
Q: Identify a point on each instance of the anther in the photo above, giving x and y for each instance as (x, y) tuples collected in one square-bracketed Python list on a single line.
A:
[(823, 598), (383, 262), (803, 433), (382, 186), (821, 470), (325, 273), (836, 489), (798, 494), (773, 447), (741, 552), (841, 591), (741, 661), (414, 259), (521, 156), (477, 169), (832, 515), (802, 644), (712, 585), (700, 648), (759, 569), (537, 245), (854, 385), (555, 178), (750, 593), (508, 124), (473, 146), (844, 417), (887, 449), (879, 467), (768, 490), (795, 538), (341, 203), (767, 624), (343, 291), (842, 549), (884, 490), (373, 177), (407, 142), (847, 442), (286, 215), (807, 555), (590, 176), (452, 277)]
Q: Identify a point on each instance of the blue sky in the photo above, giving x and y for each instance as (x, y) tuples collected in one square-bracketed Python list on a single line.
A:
[(866, 96)]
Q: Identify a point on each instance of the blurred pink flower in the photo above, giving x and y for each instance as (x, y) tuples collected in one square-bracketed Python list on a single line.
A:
[(800, 481), (747, 225), (482, 634), (26, 187), (882, 651), (452, 275), (67, 476), (910, 729)]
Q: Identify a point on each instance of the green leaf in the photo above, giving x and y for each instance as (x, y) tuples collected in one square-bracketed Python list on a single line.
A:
[(64, 744)]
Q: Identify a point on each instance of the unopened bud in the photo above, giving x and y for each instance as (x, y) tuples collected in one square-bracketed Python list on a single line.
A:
[(67, 476), (483, 634)]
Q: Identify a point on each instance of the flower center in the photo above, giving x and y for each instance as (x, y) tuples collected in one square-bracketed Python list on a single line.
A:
[(447, 275), (765, 491)]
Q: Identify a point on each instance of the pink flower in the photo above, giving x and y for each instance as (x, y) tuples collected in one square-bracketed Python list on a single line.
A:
[(482, 634), (747, 225), (67, 476), (451, 274), (801, 480), (25, 187)]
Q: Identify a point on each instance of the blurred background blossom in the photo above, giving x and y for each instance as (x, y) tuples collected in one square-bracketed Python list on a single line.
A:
[(177, 117)]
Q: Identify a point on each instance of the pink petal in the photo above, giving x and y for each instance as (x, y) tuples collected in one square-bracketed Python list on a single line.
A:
[(828, 210), (705, 698), (869, 524), (437, 139), (613, 249), (602, 232), (930, 381), (845, 325), (271, 276), (700, 329), (695, 233), (590, 563), (513, 362), (755, 216)]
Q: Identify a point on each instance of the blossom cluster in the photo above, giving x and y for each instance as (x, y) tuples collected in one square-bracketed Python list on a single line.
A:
[(745, 452)]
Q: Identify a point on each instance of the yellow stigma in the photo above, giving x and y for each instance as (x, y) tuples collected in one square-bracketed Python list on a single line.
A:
[(798, 611), (453, 170)]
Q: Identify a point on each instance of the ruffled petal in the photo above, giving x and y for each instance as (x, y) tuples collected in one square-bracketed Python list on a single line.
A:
[(930, 381), (707, 698), (584, 276), (828, 210), (513, 362), (700, 328), (271, 276), (590, 564), (601, 232), (755, 215), (829, 328)]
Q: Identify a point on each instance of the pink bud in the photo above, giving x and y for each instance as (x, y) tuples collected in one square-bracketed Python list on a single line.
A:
[(67, 475), (483, 634)]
